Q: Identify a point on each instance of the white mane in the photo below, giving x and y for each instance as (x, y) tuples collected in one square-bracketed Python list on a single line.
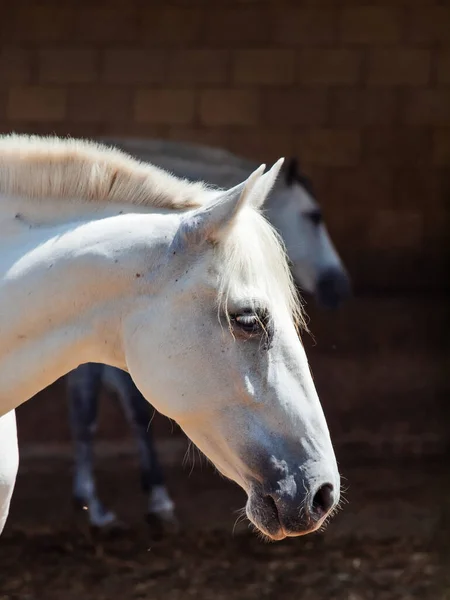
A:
[(34, 168)]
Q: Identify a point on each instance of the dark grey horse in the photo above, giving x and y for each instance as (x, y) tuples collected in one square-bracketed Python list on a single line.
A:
[(84, 384)]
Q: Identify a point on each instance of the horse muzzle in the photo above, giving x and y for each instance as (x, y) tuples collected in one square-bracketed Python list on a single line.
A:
[(281, 512), (333, 287)]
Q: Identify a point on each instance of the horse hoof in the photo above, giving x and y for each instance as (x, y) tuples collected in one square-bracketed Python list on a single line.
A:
[(101, 520), (163, 523), (111, 529)]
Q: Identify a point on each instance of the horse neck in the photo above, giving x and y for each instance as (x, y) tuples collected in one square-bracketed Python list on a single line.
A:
[(64, 290)]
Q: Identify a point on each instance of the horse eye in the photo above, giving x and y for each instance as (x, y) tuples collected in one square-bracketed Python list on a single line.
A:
[(315, 216), (250, 323)]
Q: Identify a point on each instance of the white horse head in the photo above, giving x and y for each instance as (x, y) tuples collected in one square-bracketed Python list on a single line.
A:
[(185, 287), (218, 351)]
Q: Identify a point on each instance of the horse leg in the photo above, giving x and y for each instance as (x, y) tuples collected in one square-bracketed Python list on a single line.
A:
[(83, 389), (9, 463), (160, 507)]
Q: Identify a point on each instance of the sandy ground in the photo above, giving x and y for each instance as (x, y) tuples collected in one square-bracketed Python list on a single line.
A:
[(388, 542)]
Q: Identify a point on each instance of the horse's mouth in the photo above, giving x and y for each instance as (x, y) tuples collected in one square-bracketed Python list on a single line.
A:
[(264, 514)]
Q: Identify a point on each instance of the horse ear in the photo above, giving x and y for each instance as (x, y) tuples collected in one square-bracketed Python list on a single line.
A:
[(264, 185), (213, 220), (291, 171)]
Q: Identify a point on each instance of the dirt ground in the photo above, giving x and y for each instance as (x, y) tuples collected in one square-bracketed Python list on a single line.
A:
[(387, 543)]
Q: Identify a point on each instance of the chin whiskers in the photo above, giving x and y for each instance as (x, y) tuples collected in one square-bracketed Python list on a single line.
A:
[(241, 516)]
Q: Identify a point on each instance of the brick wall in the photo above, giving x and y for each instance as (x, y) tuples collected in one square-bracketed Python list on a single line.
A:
[(359, 91)]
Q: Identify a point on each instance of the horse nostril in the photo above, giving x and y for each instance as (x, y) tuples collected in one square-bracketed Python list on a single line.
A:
[(272, 505), (323, 500)]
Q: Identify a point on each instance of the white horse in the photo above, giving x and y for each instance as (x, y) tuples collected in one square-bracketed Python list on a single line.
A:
[(105, 259), (318, 268), (291, 207)]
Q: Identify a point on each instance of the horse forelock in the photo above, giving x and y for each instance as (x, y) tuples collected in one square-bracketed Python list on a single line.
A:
[(254, 255)]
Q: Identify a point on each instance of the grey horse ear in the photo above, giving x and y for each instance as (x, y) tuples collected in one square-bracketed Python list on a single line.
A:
[(291, 170)]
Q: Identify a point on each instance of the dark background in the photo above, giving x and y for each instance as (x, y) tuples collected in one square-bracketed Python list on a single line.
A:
[(359, 92)]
